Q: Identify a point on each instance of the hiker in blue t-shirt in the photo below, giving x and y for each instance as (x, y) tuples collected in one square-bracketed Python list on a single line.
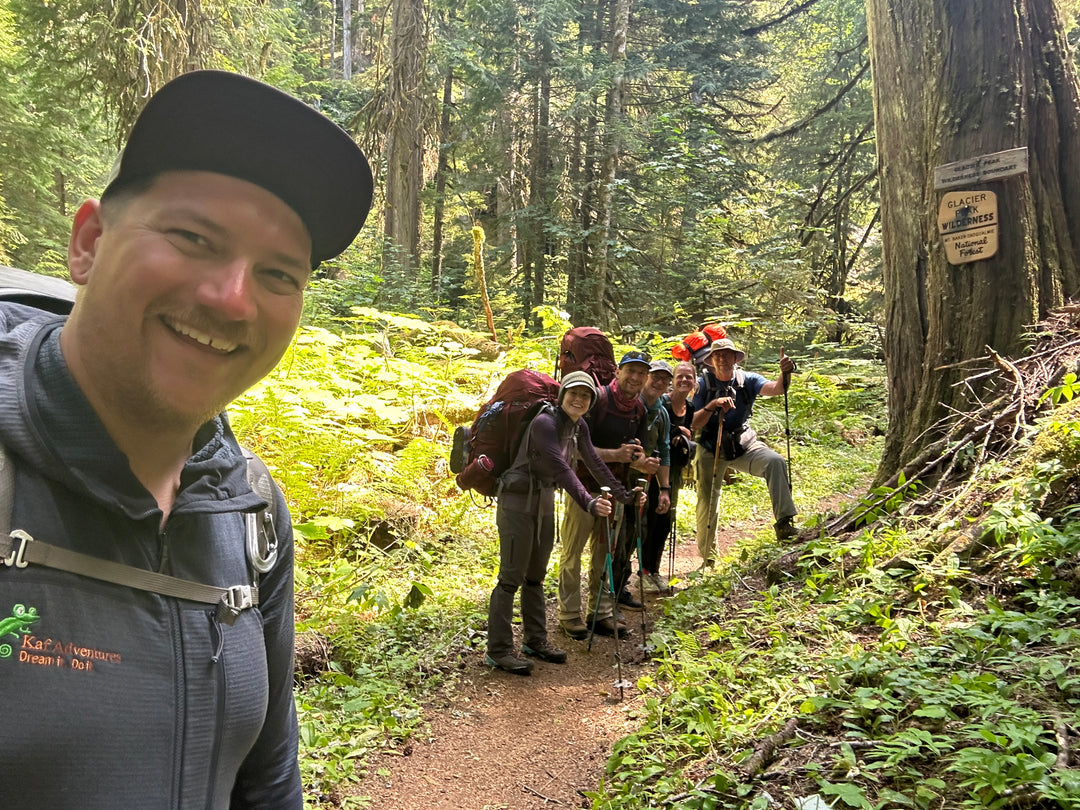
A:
[(728, 390)]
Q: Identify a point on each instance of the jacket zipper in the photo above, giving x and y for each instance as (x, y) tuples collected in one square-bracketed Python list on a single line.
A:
[(217, 636), (173, 612)]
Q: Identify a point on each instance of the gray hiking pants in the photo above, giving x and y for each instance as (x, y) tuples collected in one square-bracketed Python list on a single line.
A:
[(525, 543), (759, 460)]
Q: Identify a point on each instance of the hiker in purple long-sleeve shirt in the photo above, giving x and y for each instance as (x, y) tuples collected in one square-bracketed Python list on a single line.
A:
[(526, 520)]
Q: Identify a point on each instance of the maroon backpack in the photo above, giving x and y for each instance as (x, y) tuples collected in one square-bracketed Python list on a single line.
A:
[(586, 348), (483, 452)]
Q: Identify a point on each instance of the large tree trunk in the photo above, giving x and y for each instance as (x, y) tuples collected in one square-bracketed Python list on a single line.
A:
[(955, 80), (534, 240), (613, 114), (346, 39), (404, 146), (508, 194), (580, 175), (441, 172)]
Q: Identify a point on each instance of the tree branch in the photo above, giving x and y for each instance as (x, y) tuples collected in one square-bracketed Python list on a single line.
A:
[(787, 15), (799, 126)]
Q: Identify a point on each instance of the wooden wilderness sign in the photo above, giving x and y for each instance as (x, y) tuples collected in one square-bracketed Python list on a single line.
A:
[(995, 166), (968, 224)]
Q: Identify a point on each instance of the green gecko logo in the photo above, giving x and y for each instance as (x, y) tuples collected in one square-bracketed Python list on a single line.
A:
[(18, 625)]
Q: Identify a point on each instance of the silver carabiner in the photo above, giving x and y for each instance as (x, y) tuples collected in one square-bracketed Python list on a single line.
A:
[(16, 559)]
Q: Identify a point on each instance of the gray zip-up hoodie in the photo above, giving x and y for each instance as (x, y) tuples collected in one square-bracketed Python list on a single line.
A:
[(115, 697)]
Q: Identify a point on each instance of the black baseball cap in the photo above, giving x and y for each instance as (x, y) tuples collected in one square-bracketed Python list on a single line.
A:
[(215, 121)]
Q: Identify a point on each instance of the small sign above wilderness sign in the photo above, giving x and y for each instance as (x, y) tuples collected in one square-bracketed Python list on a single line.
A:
[(981, 169), (968, 224)]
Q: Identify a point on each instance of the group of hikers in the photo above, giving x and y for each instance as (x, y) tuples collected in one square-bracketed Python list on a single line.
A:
[(619, 451)]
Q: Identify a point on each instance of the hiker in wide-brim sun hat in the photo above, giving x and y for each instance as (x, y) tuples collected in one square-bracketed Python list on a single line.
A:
[(729, 344), (578, 379)]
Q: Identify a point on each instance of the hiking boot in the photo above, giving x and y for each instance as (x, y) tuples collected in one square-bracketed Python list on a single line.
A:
[(509, 662), (785, 529), (660, 583), (648, 583), (457, 450), (609, 627), (575, 629), (545, 652), (626, 599)]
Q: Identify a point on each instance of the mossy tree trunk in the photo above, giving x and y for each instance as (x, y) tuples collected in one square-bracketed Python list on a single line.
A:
[(955, 80), (405, 133)]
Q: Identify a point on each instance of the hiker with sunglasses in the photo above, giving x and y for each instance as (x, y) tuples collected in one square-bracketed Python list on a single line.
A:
[(680, 414), (526, 520), (725, 396)]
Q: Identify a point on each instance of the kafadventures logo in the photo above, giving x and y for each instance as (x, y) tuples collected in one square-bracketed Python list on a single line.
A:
[(17, 625), (47, 652)]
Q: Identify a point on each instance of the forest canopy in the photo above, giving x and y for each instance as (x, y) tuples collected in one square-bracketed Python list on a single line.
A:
[(643, 167)]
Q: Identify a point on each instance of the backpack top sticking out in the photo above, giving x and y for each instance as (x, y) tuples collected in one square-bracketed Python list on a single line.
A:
[(41, 292), (695, 346), (485, 450), (586, 348)]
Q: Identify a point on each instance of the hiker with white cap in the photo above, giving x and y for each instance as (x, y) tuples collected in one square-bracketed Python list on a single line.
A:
[(725, 397), (148, 578), (526, 519)]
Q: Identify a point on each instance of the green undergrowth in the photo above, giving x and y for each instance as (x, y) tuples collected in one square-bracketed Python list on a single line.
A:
[(394, 563), (918, 662)]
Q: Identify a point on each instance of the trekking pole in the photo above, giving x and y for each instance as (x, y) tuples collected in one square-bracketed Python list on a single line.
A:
[(673, 533), (644, 483), (787, 423), (714, 495), (605, 493), (615, 622)]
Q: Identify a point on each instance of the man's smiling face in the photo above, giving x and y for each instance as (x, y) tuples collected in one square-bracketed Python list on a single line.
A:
[(191, 292), (723, 363)]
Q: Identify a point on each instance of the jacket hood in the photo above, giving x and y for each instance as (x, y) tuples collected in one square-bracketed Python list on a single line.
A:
[(47, 421)]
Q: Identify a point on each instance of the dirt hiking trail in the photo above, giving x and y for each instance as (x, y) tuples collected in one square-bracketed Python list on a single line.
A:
[(507, 742)]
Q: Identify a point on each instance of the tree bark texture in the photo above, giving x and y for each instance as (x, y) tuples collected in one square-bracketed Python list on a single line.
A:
[(534, 241), (346, 39), (613, 123), (404, 136), (955, 80), (441, 173)]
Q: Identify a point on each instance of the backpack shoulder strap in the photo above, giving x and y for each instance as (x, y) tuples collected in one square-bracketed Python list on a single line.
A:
[(599, 410), (18, 549)]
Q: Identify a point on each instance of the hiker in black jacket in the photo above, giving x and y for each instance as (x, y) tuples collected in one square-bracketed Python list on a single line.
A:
[(526, 520), (147, 658)]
